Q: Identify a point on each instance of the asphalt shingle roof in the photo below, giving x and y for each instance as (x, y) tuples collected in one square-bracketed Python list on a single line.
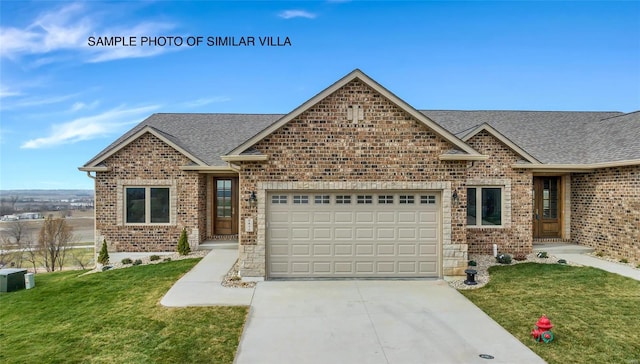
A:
[(206, 136), (549, 136), (555, 137)]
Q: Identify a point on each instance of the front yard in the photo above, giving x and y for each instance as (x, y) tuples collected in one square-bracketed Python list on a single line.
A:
[(596, 314), (114, 317)]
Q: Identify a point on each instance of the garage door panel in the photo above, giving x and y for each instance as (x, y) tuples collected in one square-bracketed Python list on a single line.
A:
[(385, 217), (364, 233), (300, 233), (343, 217), (300, 217), (386, 249), (365, 267), (322, 233), (322, 250), (343, 268), (406, 233), (364, 250), (343, 249), (279, 250), (408, 217), (355, 234), (364, 217), (407, 249), (343, 233), (300, 249), (320, 217)]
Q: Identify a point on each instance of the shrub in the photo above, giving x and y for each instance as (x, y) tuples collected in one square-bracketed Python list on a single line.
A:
[(183, 243), (562, 261), (103, 256), (126, 261), (472, 263), (153, 258), (542, 255), (624, 260), (137, 262), (600, 254), (167, 259), (503, 258)]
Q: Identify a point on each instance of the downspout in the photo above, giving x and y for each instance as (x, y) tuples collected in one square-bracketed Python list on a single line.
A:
[(95, 250)]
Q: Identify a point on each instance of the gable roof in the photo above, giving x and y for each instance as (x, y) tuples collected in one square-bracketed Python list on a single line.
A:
[(201, 137), (468, 134), (466, 150), (556, 137)]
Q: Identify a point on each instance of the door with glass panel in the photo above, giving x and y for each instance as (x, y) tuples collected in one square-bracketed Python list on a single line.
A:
[(546, 207), (225, 206)]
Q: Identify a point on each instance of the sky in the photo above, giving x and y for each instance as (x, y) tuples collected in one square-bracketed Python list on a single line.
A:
[(65, 95)]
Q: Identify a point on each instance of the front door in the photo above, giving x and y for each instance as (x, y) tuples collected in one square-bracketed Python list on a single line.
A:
[(225, 206), (546, 207)]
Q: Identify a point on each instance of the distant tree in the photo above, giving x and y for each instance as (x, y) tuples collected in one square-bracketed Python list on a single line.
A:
[(8, 205), (53, 240), (103, 256), (17, 245), (183, 243)]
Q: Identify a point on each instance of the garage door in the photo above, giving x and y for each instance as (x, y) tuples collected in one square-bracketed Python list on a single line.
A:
[(385, 234)]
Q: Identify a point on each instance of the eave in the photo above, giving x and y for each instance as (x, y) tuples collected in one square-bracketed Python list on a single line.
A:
[(244, 158), (95, 169), (463, 157), (208, 169), (575, 167)]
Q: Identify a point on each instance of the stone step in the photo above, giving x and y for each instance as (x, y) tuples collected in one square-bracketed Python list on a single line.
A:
[(218, 244)]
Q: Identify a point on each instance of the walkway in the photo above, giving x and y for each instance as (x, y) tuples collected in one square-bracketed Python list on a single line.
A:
[(576, 254)]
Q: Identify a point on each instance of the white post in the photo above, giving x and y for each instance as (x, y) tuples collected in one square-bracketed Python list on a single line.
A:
[(495, 250)]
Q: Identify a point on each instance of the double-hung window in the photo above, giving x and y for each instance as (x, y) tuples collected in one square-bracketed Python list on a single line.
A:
[(484, 206), (147, 205)]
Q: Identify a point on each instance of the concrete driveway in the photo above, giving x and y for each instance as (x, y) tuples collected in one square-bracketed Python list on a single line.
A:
[(363, 321)]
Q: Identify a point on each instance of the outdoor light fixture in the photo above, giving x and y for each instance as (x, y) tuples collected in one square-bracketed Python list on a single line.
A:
[(454, 196), (253, 199)]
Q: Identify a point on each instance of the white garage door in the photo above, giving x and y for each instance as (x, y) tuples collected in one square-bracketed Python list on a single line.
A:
[(353, 234)]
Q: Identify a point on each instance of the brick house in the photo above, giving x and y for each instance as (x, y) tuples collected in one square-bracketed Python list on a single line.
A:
[(357, 183)]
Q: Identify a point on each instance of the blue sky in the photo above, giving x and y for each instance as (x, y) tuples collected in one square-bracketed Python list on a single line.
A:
[(62, 101)]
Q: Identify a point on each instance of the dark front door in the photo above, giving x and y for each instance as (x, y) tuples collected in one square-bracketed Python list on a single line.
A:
[(546, 207), (225, 206)]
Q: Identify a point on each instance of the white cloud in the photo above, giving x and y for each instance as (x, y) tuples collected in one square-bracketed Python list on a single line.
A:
[(7, 92), (77, 106), (206, 101), (90, 127), (67, 29), (37, 101), (290, 14)]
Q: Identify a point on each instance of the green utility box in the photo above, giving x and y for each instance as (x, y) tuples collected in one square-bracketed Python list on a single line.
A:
[(12, 279)]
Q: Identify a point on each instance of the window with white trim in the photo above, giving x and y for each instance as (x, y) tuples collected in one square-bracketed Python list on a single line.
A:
[(147, 205), (484, 206)]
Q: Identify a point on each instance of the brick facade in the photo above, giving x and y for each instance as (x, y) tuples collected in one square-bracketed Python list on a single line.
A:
[(324, 149), (148, 161), (516, 236), (605, 211)]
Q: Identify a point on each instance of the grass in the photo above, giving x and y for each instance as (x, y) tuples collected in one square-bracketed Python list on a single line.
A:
[(596, 314), (114, 316), (85, 255)]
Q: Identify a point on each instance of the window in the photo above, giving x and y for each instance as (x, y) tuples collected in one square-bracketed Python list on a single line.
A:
[(322, 199), (343, 199), (147, 205), (429, 200), (406, 199), (366, 199), (385, 199), (300, 199), (279, 199), (484, 206)]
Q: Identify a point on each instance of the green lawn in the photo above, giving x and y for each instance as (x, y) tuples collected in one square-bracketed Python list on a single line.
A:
[(596, 314), (114, 317)]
